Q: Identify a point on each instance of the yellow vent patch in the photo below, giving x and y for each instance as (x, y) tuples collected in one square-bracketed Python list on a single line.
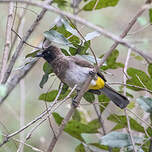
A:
[(99, 84)]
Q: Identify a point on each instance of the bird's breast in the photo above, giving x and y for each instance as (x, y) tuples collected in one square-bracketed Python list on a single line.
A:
[(76, 75)]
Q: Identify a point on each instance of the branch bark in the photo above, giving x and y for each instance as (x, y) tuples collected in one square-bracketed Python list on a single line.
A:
[(24, 39), (92, 26), (7, 45)]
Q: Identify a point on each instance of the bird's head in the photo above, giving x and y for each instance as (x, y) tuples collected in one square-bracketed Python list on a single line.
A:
[(50, 53)]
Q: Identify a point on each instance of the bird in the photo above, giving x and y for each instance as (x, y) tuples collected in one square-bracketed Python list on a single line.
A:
[(74, 70)]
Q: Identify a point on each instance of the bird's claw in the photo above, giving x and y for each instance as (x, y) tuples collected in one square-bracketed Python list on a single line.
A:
[(92, 73), (74, 102)]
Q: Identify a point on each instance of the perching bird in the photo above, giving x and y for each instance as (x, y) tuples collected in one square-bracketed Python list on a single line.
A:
[(73, 70)]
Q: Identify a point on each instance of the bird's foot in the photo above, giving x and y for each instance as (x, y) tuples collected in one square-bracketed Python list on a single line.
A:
[(92, 73), (74, 102)]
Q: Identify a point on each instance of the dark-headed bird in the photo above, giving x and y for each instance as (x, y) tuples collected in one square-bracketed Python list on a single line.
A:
[(73, 70)]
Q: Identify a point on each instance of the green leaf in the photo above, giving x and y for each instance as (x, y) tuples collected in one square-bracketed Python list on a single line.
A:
[(32, 54), (60, 3), (44, 80), (149, 131), (121, 123), (88, 96), (75, 128), (94, 124), (92, 35), (131, 105), (47, 68), (54, 36), (50, 96), (104, 147), (139, 78), (69, 28), (72, 38), (101, 4), (80, 148), (64, 88), (145, 103), (150, 69), (119, 139), (80, 49), (76, 116), (65, 52), (83, 48), (150, 16), (104, 101), (111, 61)]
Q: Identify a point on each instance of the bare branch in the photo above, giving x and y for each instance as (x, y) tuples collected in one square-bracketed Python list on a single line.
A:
[(97, 110), (37, 118), (125, 111), (25, 37), (15, 79), (69, 114), (22, 114), (129, 85), (7, 45), (97, 28)]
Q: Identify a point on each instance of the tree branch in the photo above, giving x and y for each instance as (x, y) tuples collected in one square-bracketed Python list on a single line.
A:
[(7, 45), (25, 37), (84, 22), (11, 84), (97, 110), (125, 111)]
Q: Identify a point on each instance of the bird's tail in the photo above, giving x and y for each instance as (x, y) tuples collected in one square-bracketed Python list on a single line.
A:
[(119, 99)]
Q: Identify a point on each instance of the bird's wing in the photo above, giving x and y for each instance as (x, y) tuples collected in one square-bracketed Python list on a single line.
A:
[(83, 63)]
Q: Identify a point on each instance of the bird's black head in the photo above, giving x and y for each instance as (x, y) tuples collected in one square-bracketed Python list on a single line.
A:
[(49, 54)]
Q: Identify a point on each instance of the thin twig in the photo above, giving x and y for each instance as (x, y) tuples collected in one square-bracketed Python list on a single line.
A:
[(15, 79), (8, 40), (116, 43), (69, 114), (118, 40), (125, 32), (145, 122), (129, 85), (95, 58), (97, 110), (24, 39), (20, 20), (127, 117), (48, 114), (59, 92), (37, 118), (32, 147), (22, 114), (26, 42)]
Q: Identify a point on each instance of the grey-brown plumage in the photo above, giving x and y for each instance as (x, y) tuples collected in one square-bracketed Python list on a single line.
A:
[(74, 70)]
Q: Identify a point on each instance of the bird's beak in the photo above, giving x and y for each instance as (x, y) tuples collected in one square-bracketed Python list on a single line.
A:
[(39, 54)]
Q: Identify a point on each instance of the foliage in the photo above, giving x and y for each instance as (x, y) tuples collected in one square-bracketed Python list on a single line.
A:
[(66, 34), (150, 15), (139, 78), (111, 61), (118, 139), (76, 128), (121, 123), (100, 4)]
